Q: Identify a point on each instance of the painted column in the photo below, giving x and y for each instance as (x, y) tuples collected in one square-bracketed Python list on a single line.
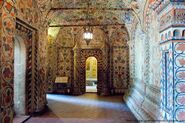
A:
[(1, 5), (107, 83), (76, 82), (7, 22), (40, 72), (172, 44), (105, 90)]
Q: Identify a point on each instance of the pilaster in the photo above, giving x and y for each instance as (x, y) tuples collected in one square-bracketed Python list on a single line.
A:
[(7, 30), (76, 84), (172, 45)]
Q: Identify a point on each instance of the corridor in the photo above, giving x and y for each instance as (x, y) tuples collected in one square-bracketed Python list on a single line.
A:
[(87, 108)]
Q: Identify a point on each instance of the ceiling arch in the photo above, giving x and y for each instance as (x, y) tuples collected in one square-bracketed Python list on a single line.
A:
[(74, 12), (78, 17), (93, 3)]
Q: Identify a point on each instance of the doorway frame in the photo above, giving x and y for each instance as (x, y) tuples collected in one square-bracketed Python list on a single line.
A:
[(29, 35), (22, 47), (98, 54)]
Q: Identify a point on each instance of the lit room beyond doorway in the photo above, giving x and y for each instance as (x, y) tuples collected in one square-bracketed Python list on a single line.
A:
[(91, 74)]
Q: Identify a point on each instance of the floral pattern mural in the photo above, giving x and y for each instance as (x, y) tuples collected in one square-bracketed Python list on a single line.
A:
[(70, 38), (101, 12), (120, 60), (147, 79), (26, 11), (6, 57), (158, 66)]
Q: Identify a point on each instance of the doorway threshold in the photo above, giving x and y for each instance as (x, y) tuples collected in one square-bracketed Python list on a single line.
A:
[(91, 89)]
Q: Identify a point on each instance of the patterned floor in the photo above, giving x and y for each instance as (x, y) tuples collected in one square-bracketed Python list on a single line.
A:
[(87, 108)]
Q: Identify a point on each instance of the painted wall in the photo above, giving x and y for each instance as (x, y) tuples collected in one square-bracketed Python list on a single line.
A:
[(52, 63), (157, 64), (172, 62), (120, 60), (65, 63), (26, 11), (6, 60), (29, 12), (62, 53), (60, 56), (144, 95)]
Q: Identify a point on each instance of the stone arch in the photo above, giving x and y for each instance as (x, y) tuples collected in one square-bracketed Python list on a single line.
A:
[(98, 54), (19, 76)]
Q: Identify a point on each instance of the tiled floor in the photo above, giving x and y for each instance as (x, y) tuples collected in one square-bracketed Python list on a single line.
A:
[(87, 108)]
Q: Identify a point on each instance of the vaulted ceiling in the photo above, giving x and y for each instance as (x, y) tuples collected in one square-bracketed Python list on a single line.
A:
[(70, 13), (101, 12)]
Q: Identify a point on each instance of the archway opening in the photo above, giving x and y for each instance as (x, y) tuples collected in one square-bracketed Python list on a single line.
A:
[(91, 74), (19, 76)]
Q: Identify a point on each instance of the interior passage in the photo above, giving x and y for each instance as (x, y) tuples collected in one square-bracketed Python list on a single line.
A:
[(87, 108)]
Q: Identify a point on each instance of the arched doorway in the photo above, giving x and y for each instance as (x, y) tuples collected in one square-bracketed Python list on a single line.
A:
[(101, 78), (19, 76), (91, 74)]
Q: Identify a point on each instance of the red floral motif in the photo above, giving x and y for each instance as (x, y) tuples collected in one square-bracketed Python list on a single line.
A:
[(181, 115), (7, 73), (182, 61), (182, 75), (1, 3), (181, 47), (182, 87), (181, 100), (7, 96), (8, 99), (8, 7)]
